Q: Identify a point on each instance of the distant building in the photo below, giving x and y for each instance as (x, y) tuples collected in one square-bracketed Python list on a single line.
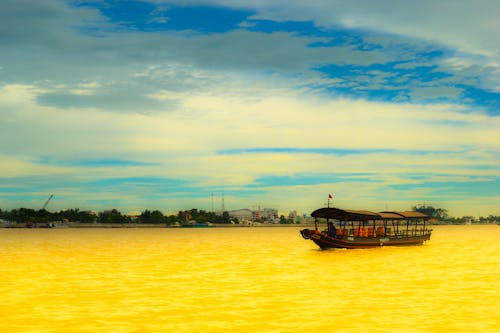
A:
[(269, 214), (242, 215), (248, 215), (133, 217)]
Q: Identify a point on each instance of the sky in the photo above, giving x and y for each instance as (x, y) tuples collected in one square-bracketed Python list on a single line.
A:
[(185, 104)]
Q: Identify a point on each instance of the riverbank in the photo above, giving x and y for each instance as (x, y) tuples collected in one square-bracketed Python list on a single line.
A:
[(142, 225), (146, 225)]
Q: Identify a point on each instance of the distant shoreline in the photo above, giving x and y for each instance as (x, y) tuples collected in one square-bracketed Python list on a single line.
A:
[(162, 226), (145, 225)]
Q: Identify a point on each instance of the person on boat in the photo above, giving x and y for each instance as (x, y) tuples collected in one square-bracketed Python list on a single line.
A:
[(332, 231)]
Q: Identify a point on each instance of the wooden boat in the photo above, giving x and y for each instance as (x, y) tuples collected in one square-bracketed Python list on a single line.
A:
[(356, 229), (198, 225)]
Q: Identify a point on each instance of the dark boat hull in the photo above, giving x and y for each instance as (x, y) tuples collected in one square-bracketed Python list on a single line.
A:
[(346, 242)]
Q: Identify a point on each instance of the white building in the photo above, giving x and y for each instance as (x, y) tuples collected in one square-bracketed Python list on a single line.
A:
[(242, 215), (247, 215), (269, 214)]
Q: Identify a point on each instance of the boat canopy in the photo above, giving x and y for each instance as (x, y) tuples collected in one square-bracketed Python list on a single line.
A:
[(410, 214), (365, 215)]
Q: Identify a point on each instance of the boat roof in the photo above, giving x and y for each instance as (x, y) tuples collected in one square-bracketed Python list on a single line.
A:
[(410, 214), (365, 215), (391, 216)]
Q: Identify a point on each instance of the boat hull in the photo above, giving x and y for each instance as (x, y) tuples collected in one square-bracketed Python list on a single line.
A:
[(346, 242)]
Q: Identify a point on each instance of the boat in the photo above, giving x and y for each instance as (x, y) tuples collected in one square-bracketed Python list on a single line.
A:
[(358, 229), (198, 225)]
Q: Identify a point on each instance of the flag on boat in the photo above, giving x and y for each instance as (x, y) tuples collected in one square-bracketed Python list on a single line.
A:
[(330, 196)]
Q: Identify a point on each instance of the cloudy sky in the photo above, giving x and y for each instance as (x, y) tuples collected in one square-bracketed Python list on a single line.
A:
[(158, 104)]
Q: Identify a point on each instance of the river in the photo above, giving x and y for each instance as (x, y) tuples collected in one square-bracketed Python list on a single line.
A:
[(245, 280)]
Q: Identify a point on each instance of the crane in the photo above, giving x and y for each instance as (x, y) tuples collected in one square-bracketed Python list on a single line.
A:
[(47, 202)]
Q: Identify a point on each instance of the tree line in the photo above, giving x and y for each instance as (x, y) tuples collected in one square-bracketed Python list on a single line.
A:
[(32, 217), (441, 215)]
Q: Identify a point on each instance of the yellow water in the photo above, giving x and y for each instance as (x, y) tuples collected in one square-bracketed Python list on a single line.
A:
[(245, 280)]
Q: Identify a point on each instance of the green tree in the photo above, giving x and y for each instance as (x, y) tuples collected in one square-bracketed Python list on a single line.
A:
[(22, 215), (86, 217), (225, 218), (152, 217), (172, 219), (157, 217), (437, 213), (112, 216), (145, 217)]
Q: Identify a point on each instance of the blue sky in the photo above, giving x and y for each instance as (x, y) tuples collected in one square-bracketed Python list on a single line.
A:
[(158, 104)]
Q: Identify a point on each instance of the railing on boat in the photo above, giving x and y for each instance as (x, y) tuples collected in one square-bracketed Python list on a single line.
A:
[(379, 232), (352, 223)]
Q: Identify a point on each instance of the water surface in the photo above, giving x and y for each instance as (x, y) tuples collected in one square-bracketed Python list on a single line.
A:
[(245, 280)]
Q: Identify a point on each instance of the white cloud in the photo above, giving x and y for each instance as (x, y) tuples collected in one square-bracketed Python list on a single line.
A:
[(188, 138), (467, 29), (470, 26)]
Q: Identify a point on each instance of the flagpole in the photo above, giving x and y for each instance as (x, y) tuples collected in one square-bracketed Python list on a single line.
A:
[(329, 197)]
